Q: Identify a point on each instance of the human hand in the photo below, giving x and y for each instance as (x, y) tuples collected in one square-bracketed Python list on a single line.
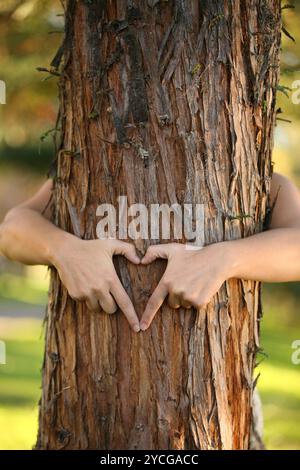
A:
[(191, 278), (87, 271)]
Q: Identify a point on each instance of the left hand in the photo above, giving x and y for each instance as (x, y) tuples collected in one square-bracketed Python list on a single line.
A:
[(191, 278)]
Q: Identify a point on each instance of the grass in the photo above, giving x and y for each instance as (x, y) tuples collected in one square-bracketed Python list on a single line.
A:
[(279, 382), (20, 382), (20, 425), (279, 389)]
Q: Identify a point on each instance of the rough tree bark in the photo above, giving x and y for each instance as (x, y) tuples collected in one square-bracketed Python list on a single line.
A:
[(165, 102)]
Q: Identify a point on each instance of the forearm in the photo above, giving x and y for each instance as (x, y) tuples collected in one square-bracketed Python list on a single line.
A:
[(272, 256), (28, 237)]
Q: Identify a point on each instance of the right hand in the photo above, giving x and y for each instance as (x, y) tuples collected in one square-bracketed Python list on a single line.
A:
[(87, 271)]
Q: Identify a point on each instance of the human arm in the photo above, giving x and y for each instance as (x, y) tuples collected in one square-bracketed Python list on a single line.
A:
[(193, 277), (85, 267)]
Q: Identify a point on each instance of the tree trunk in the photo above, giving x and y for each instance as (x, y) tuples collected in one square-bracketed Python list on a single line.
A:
[(164, 102)]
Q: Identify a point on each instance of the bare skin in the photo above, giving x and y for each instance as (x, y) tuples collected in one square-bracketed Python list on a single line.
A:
[(87, 271), (85, 266)]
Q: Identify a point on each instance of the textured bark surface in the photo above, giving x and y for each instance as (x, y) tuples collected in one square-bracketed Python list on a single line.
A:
[(165, 102)]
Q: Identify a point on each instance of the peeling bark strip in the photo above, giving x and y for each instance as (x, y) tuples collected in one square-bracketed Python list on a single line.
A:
[(164, 102)]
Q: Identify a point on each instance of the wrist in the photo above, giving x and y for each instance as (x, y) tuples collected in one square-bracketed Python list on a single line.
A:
[(59, 247), (227, 254), (232, 258)]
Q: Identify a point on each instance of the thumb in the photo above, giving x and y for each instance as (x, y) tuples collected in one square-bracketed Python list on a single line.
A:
[(156, 251), (127, 250)]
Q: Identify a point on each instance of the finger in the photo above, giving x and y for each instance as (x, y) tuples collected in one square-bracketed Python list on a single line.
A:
[(186, 304), (156, 251), (126, 249), (125, 304), (174, 301), (154, 303), (93, 305), (107, 303)]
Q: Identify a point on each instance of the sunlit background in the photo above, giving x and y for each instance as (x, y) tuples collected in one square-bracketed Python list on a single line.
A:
[(30, 33)]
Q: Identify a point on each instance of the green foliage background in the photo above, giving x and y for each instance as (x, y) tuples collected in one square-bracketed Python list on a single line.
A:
[(30, 33)]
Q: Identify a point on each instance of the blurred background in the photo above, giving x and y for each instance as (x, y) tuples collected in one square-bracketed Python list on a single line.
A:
[(30, 33)]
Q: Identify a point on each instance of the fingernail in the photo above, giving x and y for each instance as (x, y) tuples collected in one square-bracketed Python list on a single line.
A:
[(143, 326), (136, 328)]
